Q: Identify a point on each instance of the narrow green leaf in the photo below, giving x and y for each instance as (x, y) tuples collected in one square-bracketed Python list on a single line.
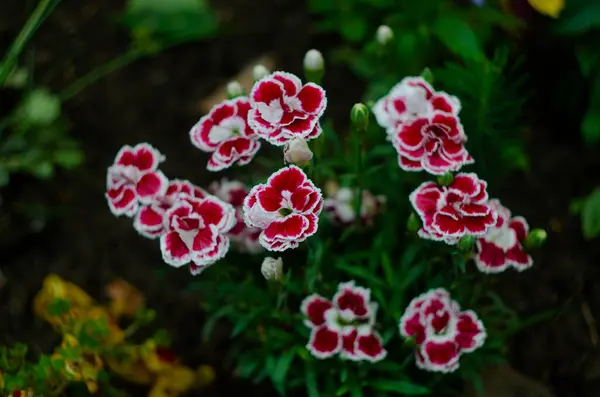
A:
[(456, 34), (590, 215), (312, 387), (278, 376), (399, 386)]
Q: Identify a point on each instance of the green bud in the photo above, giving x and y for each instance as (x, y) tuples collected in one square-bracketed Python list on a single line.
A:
[(234, 89), (40, 107), (446, 179), (413, 224), (359, 115), (536, 238), (466, 243), (427, 74)]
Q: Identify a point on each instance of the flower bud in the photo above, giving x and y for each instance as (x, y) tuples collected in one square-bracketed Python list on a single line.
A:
[(413, 224), (466, 243), (536, 238), (446, 179), (234, 89), (384, 34), (359, 115), (297, 152), (40, 107), (272, 269), (314, 66), (259, 71)]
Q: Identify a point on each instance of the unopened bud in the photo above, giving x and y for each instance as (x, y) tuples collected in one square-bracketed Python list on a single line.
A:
[(446, 179), (234, 89), (359, 115), (297, 152), (466, 243), (40, 107), (272, 269), (413, 224), (536, 238), (427, 74), (259, 71), (384, 34), (314, 66)]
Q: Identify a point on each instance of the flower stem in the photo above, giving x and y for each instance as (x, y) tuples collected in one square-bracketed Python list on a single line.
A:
[(100, 71), (16, 48)]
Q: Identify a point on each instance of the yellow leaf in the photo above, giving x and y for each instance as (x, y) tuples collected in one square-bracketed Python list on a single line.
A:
[(552, 8)]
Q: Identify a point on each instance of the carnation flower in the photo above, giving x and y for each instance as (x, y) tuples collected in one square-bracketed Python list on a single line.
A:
[(244, 238), (433, 142), (344, 325), (134, 178), (151, 219), (225, 133), (282, 108), (440, 331), (197, 232), (451, 212), (412, 97), (286, 209), (340, 205), (502, 246)]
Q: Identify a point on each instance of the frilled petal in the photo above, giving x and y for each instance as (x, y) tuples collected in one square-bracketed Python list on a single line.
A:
[(312, 99), (370, 347), (291, 227), (411, 135), (174, 250), (314, 308), (441, 355), (324, 342), (150, 221), (520, 226), (142, 156), (470, 331), (123, 201), (352, 299), (426, 198), (489, 258), (151, 185)]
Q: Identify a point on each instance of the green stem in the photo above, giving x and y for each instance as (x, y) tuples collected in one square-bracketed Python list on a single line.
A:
[(12, 55), (102, 70), (358, 153)]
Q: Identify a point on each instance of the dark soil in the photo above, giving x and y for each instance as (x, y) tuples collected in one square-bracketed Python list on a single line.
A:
[(156, 99)]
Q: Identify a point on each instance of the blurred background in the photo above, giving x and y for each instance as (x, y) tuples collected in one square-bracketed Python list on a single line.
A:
[(98, 75)]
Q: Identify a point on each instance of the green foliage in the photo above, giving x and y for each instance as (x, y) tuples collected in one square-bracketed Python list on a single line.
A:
[(169, 21), (589, 207)]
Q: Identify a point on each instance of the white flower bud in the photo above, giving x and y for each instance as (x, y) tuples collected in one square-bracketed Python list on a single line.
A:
[(234, 89), (259, 71), (313, 60), (297, 152), (272, 269), (384, 34)]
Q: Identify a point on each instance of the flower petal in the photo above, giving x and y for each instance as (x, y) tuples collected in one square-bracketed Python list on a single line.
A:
[(470, 331), (173, 249), (370, 347), (314, 307), (324, 342)]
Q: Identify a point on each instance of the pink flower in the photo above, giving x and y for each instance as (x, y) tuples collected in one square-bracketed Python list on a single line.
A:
[(502, 246), (433, 142), (282, 108), (344, 325), (451, 212), (225, 133), (286, 209), (133, 179), (196, 232), (244, 238), (340, 205), (440, 330), (412, 97), (151, 219)]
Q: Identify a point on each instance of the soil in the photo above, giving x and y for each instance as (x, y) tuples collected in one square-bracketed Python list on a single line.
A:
[(156, 100)]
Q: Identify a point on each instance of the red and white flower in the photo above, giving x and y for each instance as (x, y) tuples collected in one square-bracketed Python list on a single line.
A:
[(340, 205), (134, 178), (197, 232), (433, 142), (243, 237), (451, 212), (151, 220), (343, 325), (286, 209), (440, 331), (225, 133), (412, 97), (282, 108), (502, 246)]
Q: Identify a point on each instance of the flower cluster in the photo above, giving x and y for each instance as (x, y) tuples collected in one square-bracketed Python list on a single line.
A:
[(424, 126), (286, 209), (244, 238), (191, 224), (440, 331), (343, 325)]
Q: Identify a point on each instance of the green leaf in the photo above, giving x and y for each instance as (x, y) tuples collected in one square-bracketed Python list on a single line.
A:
[(458, 36), (312, 387), (282, 367), (399, 386), (354, 27), (590, 215), (586, 17)]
